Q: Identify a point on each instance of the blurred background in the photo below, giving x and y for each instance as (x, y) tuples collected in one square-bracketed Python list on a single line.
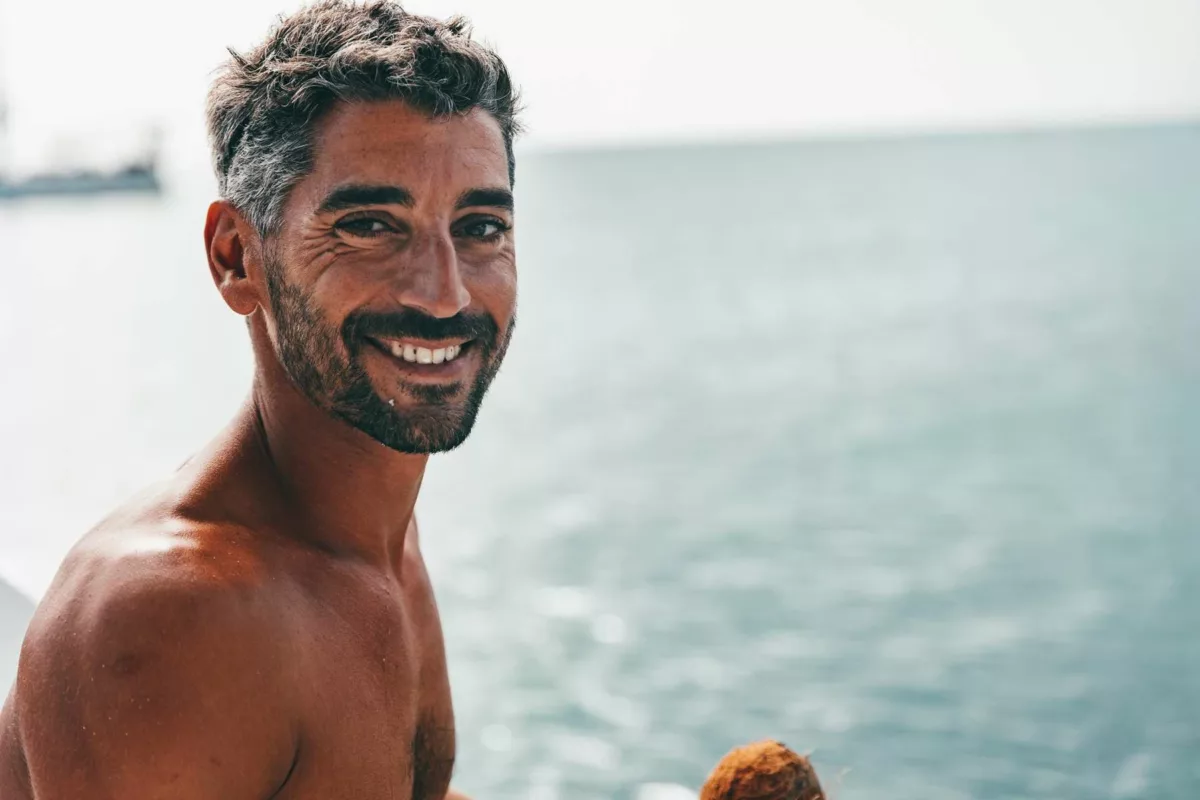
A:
[(853, 401)]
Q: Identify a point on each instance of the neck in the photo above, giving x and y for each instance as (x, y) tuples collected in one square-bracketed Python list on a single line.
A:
[(338, 488)]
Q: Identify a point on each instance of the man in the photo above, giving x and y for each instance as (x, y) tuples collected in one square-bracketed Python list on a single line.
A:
[(261, 625)]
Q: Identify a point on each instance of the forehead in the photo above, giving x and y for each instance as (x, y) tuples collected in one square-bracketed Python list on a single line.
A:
[(388, 142)]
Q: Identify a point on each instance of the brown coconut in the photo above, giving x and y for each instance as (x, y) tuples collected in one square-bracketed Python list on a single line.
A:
[(765, 770)]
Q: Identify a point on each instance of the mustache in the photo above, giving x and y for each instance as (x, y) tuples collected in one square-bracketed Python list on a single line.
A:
[(410, 323)]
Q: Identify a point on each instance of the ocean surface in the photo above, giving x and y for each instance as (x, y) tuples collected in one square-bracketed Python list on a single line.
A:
[(887, 449)]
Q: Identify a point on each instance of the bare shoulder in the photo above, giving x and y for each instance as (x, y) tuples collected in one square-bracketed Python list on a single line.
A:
[(157, 649), (168, 587)]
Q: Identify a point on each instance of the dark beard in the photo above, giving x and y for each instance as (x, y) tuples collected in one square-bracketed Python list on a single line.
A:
[(311, 352)]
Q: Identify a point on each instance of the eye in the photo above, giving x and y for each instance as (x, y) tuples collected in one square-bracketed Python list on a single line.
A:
[(366, 227), (485, 229)]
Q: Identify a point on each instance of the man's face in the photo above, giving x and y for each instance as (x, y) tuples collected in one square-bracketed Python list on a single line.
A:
[(392, 281)]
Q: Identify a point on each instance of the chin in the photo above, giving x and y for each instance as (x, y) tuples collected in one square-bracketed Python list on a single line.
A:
[(418, 430), (436, 433)]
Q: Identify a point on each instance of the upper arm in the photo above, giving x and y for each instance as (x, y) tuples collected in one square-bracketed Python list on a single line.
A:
[(152, 689)]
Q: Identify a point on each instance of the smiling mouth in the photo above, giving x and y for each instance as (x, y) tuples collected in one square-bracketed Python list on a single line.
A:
[(418, 354), (424, 355)]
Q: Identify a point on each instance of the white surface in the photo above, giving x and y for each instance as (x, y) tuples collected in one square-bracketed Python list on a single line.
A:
[(15, 610)]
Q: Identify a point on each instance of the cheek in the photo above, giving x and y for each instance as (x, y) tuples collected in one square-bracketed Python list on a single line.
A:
[(345, 287), (496, 291), (338, 276)]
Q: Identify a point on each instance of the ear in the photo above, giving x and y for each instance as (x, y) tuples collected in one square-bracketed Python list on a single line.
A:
[(226, 240)]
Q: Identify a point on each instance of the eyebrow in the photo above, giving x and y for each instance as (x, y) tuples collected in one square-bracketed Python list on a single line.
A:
[(356, 195), (495, 198)]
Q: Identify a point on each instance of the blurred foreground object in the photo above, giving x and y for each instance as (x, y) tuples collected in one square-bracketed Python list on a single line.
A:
[(765, 770)]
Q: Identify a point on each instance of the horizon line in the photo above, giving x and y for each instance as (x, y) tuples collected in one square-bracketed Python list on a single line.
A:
[(849, 134)]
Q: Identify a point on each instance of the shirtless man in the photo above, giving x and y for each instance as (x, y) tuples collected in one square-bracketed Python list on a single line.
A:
[(261, 624)]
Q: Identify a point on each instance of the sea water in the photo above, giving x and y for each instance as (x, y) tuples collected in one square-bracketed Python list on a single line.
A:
[(887, 449)]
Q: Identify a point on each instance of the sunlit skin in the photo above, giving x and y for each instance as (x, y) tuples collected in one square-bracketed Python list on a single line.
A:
[(261, 625)]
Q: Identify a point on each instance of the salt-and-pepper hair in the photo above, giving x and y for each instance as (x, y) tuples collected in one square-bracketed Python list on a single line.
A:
[(264, 104)]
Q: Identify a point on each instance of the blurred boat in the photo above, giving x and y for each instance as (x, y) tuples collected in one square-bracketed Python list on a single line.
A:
[(134, 170), (134, 177)]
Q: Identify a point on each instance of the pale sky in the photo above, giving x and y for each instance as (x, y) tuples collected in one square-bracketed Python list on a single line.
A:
[(636, 70)]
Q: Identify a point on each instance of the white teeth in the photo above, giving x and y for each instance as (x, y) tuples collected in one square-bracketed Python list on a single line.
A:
[(424, 355)]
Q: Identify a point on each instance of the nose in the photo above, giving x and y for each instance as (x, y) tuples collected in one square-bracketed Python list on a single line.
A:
[(430, 280)]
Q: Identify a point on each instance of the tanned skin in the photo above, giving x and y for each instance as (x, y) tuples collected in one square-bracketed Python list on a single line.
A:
[(261, 624)]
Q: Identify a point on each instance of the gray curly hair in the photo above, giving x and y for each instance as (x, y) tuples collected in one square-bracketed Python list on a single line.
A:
[(264, 104)]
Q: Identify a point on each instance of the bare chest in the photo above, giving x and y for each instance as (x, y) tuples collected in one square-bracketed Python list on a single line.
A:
[(375, 700)]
